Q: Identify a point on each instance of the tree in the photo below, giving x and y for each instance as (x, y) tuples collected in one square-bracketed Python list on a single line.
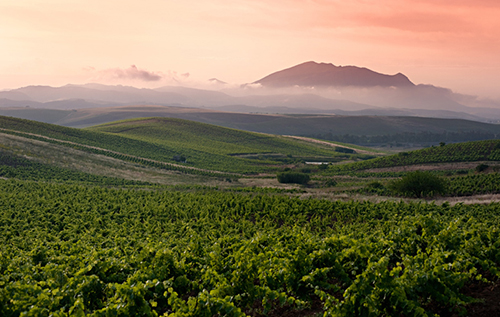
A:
[(293, 177), (419, 184), (481, 168)]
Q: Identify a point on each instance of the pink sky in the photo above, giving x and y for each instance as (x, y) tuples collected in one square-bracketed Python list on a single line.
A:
[(448, 43)]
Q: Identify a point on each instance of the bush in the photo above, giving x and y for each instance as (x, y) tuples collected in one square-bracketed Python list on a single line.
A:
[(481, 168), (375, 188), (293, 177), (419, 184), (375, 184), (344, 150), (179, 158), (322, 167), (331, 182)]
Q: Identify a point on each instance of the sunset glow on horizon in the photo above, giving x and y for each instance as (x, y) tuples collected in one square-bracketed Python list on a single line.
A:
[(452, 44)]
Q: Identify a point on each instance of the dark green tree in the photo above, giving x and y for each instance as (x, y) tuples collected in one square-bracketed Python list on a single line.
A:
[(419, 184), (293, 177)]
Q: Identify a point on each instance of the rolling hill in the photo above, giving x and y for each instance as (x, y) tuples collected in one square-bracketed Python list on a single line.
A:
[(176, 144), (294, 124)]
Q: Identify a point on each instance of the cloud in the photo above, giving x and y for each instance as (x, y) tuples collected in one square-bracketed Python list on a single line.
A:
[(251, 86), (132, 73), (137, 76)]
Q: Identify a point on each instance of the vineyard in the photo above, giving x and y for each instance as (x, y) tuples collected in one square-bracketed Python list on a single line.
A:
[(166, 217), (456, 186), (16, 167), (474, 185), (459, 152), (203, 146), (77, 250)]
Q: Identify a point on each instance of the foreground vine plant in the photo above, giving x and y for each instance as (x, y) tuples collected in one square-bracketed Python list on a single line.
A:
[(90, 251)]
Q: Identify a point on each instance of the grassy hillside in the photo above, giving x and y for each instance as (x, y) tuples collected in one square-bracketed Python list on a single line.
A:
[(19, 167), (214, 147), (304, 125), (181, 142), (47, 160)]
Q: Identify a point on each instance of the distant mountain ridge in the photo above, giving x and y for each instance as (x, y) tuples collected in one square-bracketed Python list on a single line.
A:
[(302, 89), (312, 74)]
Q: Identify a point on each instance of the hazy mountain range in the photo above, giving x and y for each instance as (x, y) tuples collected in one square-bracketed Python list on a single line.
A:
[(308, 88)]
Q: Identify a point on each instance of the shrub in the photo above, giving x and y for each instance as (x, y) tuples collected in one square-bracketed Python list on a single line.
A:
[(293, 177), (481, 168), (331, 182), (306, 170), (179, 158), (375, 184), (419, 184), (344, 150), (375, 188), (322, 167)]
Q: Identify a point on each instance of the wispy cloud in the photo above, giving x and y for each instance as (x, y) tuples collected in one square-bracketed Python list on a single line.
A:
[(137, 76), (133, 73)]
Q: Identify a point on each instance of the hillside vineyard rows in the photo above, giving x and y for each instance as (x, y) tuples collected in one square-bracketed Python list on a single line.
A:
[(458, 152), (204, 146)]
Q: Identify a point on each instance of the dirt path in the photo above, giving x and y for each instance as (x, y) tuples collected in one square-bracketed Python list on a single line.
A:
[(468, 200), (331, 144), (119, 153)]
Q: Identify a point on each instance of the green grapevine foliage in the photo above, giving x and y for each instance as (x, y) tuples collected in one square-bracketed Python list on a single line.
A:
[(92, 251)]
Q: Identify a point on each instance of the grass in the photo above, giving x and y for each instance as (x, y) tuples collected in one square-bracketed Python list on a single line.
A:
[(304, 125), (56, 160), (205, 147), (213, 147), (210, 147)]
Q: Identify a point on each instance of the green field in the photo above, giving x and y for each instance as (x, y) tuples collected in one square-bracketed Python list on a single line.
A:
[(195, 145), (106, 221)]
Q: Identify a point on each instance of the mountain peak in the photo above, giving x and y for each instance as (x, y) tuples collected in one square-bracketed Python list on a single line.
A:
[(313, 74)]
